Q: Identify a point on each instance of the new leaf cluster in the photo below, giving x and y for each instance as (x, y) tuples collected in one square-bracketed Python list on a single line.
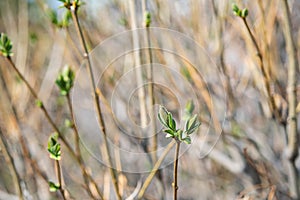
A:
[(5, 45), (65, 80), (180, 135)]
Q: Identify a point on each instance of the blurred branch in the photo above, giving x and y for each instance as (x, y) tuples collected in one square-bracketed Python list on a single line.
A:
[(11, 165), (292, 151), (155, 169), (40, 105), (138, 69), (266, 79), (82, 166), (220, 30), (150, 81)]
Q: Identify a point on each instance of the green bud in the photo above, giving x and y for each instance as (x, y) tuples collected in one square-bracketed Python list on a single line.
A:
[(68, 123), (54, 147), (244, 13), (53, 187), (235, 9), (38, 103), (5, 45), (147, 19), (65, 80), (191, 124)]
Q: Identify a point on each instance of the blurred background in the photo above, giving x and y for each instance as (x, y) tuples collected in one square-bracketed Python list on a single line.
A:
[(200, 51)]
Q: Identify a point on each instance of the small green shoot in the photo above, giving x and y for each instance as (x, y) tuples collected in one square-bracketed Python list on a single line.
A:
[(5, 45), (147, 19), (53, 187), (243, 13), (54, 147), (191, 124), (65, 80)]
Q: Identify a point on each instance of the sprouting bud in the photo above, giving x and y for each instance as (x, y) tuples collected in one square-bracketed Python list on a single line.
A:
[(244, 13), (5, 45), (65, 80), (54, 147), (147, 19)]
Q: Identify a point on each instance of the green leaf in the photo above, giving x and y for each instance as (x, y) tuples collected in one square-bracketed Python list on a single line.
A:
[(178, 134), (169, 132), (189, 109), (53, 187), (191, 124), (171, 122), (163, 116), (187, 140)]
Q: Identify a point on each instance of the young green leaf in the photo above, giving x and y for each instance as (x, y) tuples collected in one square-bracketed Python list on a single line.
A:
[(191, 124), (187, 140), (171, 122), (163, 116), (188, 110)]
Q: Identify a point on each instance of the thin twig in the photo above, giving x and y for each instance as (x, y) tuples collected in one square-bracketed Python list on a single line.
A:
[(174, 184), (11, 165), (138, 69), (292, 117), (85, 175), (265, 75), (96, 100), (34, 94), (155, 169), (150, 83), (59, 177)]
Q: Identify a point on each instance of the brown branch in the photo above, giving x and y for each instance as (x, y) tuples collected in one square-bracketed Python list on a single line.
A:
[(265, 75), (85, 175), (59, 177), (174, 184), (96, 99)]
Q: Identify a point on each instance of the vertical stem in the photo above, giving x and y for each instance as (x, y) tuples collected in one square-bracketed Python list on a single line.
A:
[(59, 177), (12, 168), (85, 175), (174, 184), (96, 100), (150, 81), (292, 117)]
